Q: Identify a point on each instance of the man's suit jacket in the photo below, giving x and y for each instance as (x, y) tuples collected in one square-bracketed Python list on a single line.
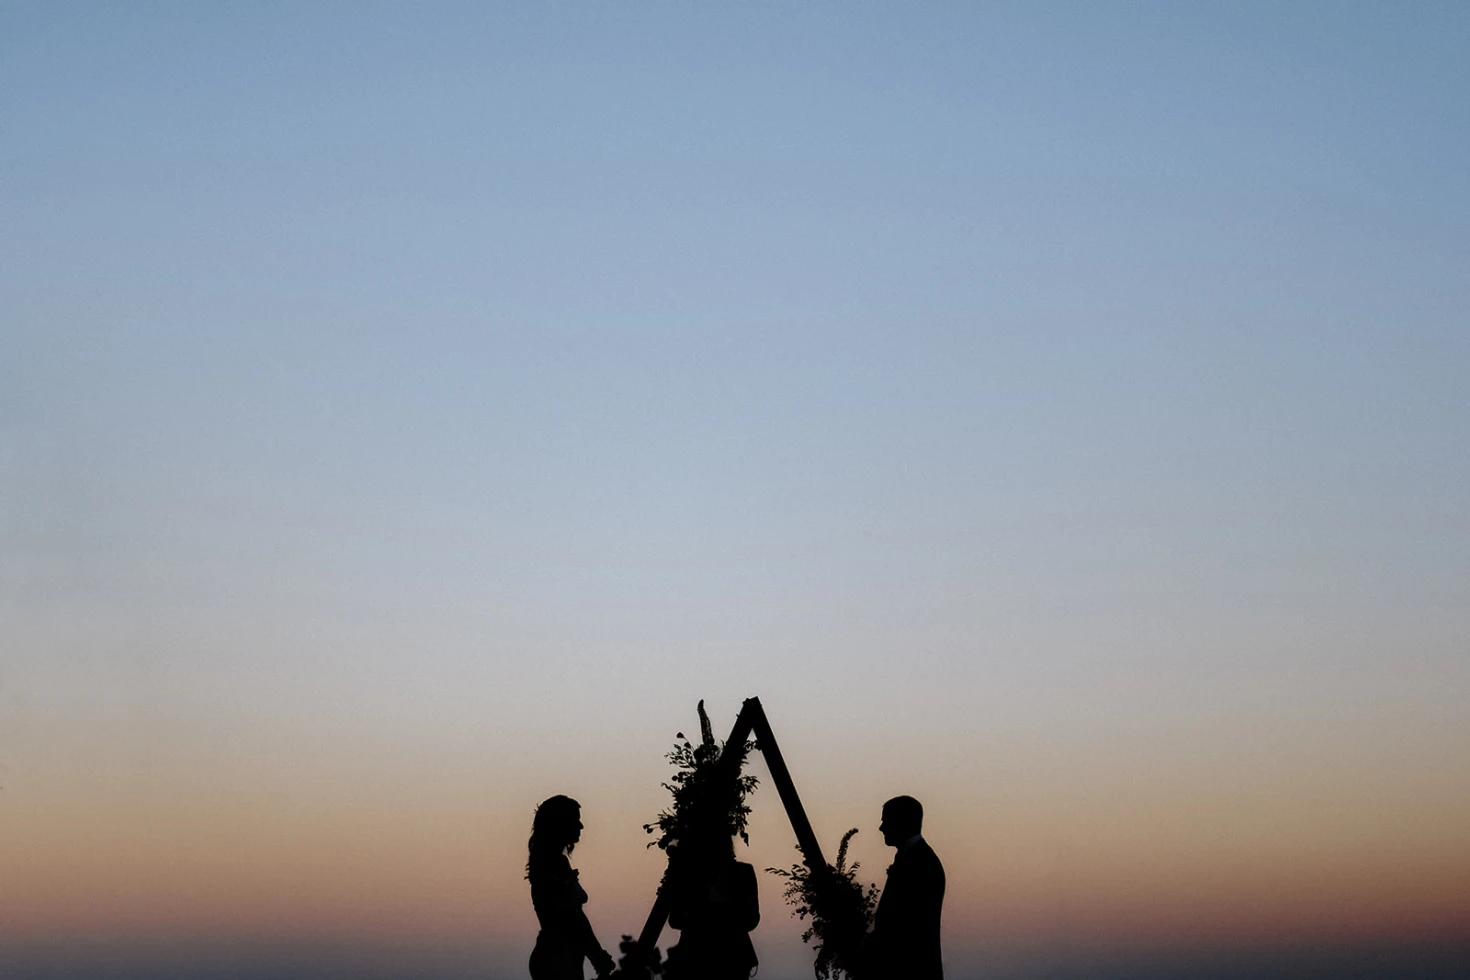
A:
[(905, 941)]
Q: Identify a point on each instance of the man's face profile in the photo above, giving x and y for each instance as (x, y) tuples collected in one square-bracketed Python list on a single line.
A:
[(888, 827)]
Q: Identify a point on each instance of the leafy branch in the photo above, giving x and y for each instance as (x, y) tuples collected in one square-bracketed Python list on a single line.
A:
[(840, 910), (708, 791)]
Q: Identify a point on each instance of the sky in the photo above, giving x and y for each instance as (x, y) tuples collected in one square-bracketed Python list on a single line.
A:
[(1056, 412)]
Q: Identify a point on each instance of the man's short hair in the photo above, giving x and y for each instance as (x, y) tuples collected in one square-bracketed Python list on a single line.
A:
[(905, 811)]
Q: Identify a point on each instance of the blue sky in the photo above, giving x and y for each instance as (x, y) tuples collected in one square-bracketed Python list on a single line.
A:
[(1055, 377)]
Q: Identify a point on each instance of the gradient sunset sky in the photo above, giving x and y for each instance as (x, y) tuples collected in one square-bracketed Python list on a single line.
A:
[(1057, 412)]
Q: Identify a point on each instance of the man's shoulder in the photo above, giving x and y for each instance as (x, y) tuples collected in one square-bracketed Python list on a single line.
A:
[(919, 851), (923, 856), (918, 857)]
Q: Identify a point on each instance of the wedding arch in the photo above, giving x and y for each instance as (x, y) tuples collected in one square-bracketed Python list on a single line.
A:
[(751, 721)]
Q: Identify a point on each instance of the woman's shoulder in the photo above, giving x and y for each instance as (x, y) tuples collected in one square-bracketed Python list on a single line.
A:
[(554, 885), (550, 864)]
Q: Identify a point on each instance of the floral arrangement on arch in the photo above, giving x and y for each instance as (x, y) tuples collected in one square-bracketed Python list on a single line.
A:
[(709, 790), (839, 907)]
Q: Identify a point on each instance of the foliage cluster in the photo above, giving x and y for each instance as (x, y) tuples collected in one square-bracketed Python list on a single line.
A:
[(708, 807), (709, 791), (840, 910)]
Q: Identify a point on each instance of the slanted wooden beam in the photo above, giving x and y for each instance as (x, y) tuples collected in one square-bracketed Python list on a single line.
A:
[(765, 740)]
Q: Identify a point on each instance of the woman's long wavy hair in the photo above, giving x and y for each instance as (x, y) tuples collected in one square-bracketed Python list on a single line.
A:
[(550, 832)]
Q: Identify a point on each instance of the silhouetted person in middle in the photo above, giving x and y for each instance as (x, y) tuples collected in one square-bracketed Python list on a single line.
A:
[(566, 937), (714, 904), (904, 943)]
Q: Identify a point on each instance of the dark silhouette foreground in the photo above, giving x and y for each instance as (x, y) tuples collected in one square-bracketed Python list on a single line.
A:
[(711, 898), (566, 937), (904, 944), (714, 905)]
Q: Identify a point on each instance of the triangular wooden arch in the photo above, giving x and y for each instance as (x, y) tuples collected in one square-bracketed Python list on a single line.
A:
[(752, 719)]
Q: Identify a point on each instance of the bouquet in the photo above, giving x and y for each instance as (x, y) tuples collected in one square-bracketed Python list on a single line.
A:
[(636, 963)]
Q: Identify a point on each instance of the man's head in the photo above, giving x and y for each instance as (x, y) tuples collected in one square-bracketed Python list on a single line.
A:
[(903, 817)]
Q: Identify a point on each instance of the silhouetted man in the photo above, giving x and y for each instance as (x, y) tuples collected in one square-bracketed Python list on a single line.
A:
[(904, 944)]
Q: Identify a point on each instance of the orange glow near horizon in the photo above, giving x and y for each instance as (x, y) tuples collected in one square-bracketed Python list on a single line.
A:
[(357, 860)]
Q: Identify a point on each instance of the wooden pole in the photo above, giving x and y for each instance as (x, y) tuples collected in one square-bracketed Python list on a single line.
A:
[(765, 740), (657, 916)]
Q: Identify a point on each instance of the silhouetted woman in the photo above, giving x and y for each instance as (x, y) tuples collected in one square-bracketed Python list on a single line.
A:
[(566, 936)]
